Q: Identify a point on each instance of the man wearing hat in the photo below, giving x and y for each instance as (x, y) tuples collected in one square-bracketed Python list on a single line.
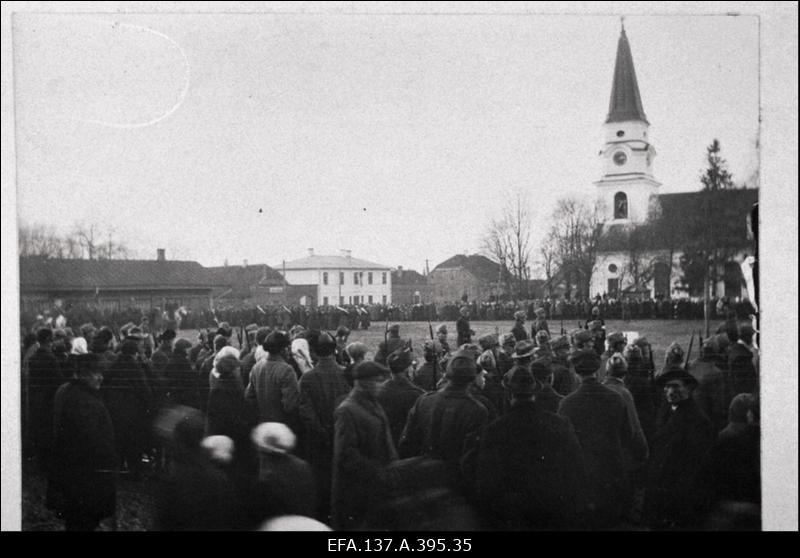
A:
[(439, 422), (272, 390), (601, 422), (682, 439), (428, 375), (392, 343), (256, 353), (87, 331), (710, 393), (397, 395), (519, 326), (504, 352), (565, 380), (363, 448), (530, 473), (544, 394), (540, 323), (441, 337), (321, 390), (616, 342), (742, 362), (463, 329), (161, 356)]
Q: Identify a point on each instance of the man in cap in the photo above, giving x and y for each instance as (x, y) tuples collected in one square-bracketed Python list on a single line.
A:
[(544, 393), (616, 342), (601, 422), (272, 389), (504, 352), (540, 323), (519, 326), (321, 390), (682, 439), (161, 356), (363, 449), (397, 395), (439, 422), (565, 380), (441, 337), (426, 376), (463, 329), (530, 472), (392, 343), (356, 352)]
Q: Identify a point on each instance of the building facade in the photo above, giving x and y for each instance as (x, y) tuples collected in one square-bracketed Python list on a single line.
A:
[(341, 279), (410, 287)]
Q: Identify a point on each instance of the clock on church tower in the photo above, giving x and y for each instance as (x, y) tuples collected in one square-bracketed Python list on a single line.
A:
[(627, 155)]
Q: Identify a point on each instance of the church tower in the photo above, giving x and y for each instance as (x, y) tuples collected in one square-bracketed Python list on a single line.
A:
[(627, 184)]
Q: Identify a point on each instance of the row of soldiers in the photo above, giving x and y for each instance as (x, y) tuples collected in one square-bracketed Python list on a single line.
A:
[(504, 433)]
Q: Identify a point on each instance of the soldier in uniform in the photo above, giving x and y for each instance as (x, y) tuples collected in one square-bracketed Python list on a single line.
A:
[(463, 329), (540, 323), (519, 326), (392, 343)]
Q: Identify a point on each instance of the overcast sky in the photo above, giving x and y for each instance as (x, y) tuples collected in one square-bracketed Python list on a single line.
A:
[(256, 136)]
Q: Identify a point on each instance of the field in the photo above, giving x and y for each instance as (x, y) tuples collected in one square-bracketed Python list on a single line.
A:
[(135, 498)]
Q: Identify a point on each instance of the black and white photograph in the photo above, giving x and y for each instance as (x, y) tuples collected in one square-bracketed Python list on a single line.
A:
[(426, 267)]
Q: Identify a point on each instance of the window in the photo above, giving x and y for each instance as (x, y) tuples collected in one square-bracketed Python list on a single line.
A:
[(341, 278), (613, 288), (349, 300), (355, 278), (620, 133), (369, 278), (370, 297), (620, 205), (324, 277), (324, 300), (383, 279), (341, 301), (612, 268), (384, 296)]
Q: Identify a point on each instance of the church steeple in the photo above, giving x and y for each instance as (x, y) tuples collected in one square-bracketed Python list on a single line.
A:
[(625, 103)]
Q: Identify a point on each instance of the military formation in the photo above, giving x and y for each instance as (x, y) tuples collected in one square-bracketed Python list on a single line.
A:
[(526, 430)]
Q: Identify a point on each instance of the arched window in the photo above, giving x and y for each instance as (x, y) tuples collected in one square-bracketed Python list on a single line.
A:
[(620, 205)]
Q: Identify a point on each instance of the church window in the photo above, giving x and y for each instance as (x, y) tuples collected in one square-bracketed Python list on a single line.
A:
[(620, 205), (324, 277), (620, 133), (612, 268)]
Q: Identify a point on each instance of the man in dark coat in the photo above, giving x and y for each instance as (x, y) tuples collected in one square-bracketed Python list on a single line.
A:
[(272, 391), (679, 446), (440, 422), (82, 481), (363, 448), (44, 378), (639, 382), (392, 343), (565, 380), (181, 383), (463, 329), (397, 394), (710, 393), (743, 371), (601, 423), (544, 394), (429, 374), (530, 472), (227, 415), (519, 326), (540, 323), (129, 399), (321, 390)]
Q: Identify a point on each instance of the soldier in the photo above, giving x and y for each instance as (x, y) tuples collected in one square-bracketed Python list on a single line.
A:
[(392, 343), (441, 337), (616, 344), (397, 395), (428, 375), (540, 323), (519, 326), (463, 329)]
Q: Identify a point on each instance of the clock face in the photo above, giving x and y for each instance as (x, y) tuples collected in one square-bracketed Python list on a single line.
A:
[(620, 158)]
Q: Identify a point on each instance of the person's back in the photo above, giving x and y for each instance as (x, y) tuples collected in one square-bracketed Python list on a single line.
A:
[(710, 393), (273, 384), (397, 394)]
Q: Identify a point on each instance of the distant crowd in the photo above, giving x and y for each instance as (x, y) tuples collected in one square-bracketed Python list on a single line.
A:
[(299, 429)]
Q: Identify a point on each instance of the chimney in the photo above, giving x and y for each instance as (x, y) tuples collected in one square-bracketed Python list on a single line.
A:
[(244, 264), (399, 271), (310, 252), (160, 254)]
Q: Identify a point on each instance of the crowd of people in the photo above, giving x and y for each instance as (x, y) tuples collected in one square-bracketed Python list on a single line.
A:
[(527, 430)]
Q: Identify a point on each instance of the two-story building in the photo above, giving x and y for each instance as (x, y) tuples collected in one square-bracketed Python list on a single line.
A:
[(340, 279)]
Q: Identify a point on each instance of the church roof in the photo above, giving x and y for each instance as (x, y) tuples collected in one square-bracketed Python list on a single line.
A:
[(680, 215), (625, 103)]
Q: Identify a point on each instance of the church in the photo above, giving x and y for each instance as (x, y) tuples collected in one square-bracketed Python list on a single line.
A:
[(629, 200)]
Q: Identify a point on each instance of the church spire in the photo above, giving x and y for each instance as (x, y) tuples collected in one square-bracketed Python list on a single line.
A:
[(625, 104)]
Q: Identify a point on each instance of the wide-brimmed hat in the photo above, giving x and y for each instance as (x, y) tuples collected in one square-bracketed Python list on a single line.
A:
[(675, 373), (523, 349)]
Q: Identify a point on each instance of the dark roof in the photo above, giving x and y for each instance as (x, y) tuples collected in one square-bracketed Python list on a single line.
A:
[(240, 275), (72, 274), (481, 267), (625, 103), (682, 216), (408, 277)]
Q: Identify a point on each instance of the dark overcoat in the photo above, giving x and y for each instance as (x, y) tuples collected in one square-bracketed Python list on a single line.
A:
[(397, 396), (44, 378), (530, 471), (273, 391), (181, 382)]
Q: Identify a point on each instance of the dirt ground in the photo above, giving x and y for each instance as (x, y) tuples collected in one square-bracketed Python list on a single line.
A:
[(136, 498)]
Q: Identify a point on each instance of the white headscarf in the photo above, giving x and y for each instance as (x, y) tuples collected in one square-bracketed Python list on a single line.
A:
[(227, 350), (79, 346)]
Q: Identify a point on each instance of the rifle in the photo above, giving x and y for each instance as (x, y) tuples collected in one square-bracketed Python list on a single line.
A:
[(435, 355), (688, 354), (563, 332), (239, 336)]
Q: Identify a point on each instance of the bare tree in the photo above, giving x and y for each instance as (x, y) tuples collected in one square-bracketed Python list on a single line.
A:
[(508, 241), (575, 234), (40, 241), (83, 241)]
